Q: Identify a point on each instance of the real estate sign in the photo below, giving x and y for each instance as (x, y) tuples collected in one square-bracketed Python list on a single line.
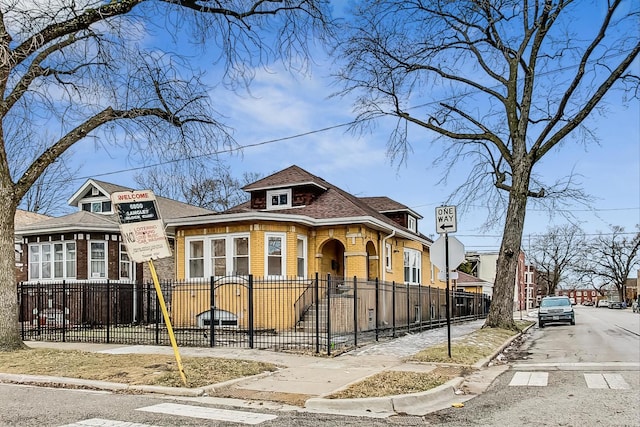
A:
[(140, 225)]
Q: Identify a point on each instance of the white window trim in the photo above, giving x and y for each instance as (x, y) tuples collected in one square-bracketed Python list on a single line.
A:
[(283, 257), (412, 224), (132, 270), (65, 274), (418, 256), (207, 253), (305, 257), (106, 260), (388, 257), (272, 193)]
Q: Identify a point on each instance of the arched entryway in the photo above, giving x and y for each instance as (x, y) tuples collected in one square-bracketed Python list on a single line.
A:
[(332, 262), (372, 261)]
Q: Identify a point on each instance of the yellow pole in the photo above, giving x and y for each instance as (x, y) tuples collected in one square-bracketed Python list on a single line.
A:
[(165, 313)]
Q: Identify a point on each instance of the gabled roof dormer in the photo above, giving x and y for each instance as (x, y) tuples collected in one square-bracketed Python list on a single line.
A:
[(398, 212), (290, 188), (94, 196)]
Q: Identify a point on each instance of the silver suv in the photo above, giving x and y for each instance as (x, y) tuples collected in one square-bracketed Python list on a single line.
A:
[(555, 309)]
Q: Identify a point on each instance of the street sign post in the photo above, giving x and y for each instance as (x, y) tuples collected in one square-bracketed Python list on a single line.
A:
[(446, 222), (143, 235)]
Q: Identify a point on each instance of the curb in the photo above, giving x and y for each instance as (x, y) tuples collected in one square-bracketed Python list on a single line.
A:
[(62, 381), (484, 362), (409, 404), (120, 387)]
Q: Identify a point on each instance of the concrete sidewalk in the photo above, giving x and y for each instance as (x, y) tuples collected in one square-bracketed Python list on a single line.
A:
[(307, 380)]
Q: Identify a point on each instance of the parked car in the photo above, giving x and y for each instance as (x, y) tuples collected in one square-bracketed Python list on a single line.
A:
[(555, 309), (603, 303), (587, 302), (615, 304)]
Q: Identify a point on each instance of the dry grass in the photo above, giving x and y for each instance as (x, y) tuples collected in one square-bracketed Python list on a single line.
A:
[(391, 383), (144, 369), (469, 349), (139, 369), (465, 351)]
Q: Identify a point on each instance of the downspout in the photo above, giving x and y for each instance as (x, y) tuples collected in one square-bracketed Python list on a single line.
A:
[(383, 264)]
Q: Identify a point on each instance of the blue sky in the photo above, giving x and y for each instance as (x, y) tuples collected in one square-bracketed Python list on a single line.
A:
[(283, 121)]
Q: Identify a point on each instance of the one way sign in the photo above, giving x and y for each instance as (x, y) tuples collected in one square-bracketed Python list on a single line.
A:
[(446, 219)]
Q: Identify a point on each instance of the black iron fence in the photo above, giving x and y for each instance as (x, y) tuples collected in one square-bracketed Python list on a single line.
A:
[(318, 315)]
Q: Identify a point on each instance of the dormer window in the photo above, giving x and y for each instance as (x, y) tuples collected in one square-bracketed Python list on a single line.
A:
[(279, 199), (97, 207), (412, 224)]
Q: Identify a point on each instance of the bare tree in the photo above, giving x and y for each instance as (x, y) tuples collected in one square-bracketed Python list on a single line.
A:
[(199, 184), (499, 84), (88, 70), (554, 255), (610, 258)]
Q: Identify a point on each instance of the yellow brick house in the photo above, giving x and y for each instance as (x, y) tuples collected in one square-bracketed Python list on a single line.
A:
[(295, 226)]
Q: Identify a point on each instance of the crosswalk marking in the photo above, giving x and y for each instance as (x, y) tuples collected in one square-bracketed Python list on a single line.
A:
[(209, 413), (612, 381), (537, 379), (101, 422)]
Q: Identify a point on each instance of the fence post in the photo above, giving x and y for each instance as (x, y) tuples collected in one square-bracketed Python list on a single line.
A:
[(64, 311), (377, 307), (251, 329), (328, 314), (317, 308), (420, 305), (393, 307), (429, 306), (38, 308), (355, 311), (408, 308), (108, 311), (212, 312), (21, 315), (157, 318)]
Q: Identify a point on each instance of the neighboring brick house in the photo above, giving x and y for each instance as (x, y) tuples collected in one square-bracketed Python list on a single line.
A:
[(86, 245), (297, 224), (579, 296)]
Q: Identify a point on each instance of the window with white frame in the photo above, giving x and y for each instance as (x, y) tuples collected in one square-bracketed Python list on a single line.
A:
[(412, 266), (302, 256), (278, 199), (196, 259), (52, 261), (275, 254), (412, 224), (528, 277), (240, 255), (126, 266), (217, 255), (388, 256), (97, 259)]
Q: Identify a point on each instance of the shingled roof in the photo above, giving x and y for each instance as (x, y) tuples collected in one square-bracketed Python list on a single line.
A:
[(332, 203), (88, 221)]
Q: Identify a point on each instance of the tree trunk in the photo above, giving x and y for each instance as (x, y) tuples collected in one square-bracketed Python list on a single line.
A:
[(501, 311), (9, 331)]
